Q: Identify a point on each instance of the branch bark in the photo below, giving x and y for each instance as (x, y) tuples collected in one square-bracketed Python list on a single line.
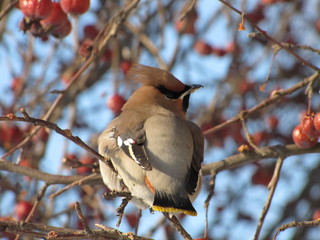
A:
[(277, 151), (46, 177), (49, 232)]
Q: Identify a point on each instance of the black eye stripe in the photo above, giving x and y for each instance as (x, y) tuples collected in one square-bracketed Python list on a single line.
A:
[(185, 103), (170, 94), (175, 95)]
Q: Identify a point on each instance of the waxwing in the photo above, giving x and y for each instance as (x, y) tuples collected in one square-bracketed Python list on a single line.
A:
[(155, 151)]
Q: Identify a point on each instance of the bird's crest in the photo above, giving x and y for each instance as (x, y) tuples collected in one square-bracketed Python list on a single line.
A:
[(150, 76)]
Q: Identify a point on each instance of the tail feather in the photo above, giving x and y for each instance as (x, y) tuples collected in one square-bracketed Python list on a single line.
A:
[(165, 202)]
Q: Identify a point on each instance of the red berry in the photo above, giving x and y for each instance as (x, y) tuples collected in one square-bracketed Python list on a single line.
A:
[(301, 139), (317, 24), (86, 48), (57, 17), (35, 9), (125, 66), (262, 176), (307, 126), (11, 135), (212, 138), (25, 163), (234, 130), (231, 47), (202, 47), (16, 84), (75, 7), (132, 219), (115, 103), (85, 169), (218, 51), (71, 160), (71, 156), (23, 209), (316, 215), (90, 31), (267, 2), (257, 14), (316, 122), (187, 24), (67, 75), (246, 86), (106, 57), (260, 137), (273, 122), (42, 135), (62, 30)]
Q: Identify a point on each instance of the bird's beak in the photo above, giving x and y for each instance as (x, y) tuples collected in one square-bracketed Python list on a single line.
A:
[(192, 89)]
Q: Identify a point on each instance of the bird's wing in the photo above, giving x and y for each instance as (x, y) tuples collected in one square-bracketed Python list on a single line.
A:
[(130, 137), (197, 157)]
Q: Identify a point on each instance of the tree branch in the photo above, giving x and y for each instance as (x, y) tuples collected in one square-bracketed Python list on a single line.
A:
[(269, 38), (273, 184), (277, 151), (272, 99), (49, 232), (46, 177), (296, 224)]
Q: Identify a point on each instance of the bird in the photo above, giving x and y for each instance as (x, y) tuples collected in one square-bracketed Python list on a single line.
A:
[(155, 151)]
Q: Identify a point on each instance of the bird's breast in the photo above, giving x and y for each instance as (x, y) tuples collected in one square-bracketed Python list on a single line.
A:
[(169, 145)]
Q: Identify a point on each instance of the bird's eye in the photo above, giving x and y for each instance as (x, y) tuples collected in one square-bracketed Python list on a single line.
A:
[(169, 96)]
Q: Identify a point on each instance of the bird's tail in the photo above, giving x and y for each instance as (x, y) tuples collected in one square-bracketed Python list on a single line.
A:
[(165, 202)]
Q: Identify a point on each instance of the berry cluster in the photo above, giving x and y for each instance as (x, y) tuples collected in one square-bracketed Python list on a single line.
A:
[(83, 165), (187, 26), (306, 134), (204, 48), (43, 17)]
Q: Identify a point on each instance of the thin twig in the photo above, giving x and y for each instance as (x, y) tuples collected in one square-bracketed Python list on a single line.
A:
[(273, 98), (275, 53), (101, 41), (187, 8), (114, 194), (207, 202), (309, 92), (78, 182), (8, 8), (156, 226), (246, 132), (43, 123), (121, 208), (82, 218), (149, 45), (46, 177), (304, 47), (35, 205), (44, 231), (173, 219), (136, 229), (268, 152), (268, 37), (296, 224), (272, 187)]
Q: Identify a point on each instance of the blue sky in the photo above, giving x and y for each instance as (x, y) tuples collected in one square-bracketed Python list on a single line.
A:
[(217, 35)]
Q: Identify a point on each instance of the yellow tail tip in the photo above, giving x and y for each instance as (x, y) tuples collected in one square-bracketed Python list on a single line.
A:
[(174, 210)]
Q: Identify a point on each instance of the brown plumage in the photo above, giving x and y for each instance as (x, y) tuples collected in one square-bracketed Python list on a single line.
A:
[(156, 152)]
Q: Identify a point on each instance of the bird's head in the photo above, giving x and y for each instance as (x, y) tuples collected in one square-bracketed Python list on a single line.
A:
[(160, 88)]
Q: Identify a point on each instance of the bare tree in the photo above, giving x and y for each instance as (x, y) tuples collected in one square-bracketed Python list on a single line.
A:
[(63, 81)]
